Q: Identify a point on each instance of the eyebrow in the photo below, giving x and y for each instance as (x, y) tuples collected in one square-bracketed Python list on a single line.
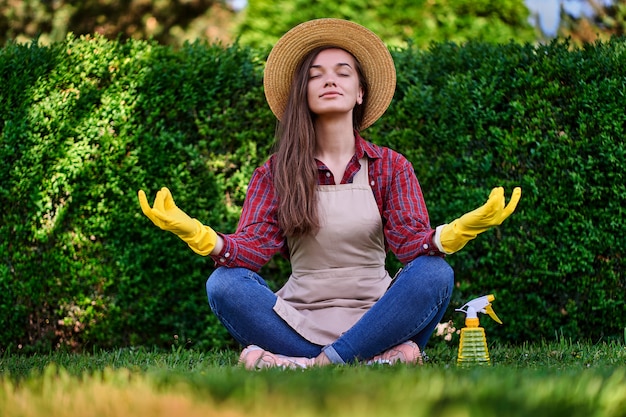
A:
[(339, 64)]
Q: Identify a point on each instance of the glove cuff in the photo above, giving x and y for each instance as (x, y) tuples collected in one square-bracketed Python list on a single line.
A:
[(203, 241), (453, 238), (437, 239)]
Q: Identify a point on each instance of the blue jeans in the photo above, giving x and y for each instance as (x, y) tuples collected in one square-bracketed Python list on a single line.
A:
[(410, 309)]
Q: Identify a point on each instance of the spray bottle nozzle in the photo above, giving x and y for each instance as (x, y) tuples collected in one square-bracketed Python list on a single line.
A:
[(479, 305)]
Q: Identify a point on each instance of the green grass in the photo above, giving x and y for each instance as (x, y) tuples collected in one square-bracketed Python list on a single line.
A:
[(543, 379)]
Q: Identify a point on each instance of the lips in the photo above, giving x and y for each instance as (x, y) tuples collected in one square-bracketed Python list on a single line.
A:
[(331, 94)]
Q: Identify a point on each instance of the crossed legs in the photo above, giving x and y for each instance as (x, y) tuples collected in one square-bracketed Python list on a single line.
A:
[(409, 311)]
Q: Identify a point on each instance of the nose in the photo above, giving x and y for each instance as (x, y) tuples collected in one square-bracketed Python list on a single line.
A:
[(330, 82)]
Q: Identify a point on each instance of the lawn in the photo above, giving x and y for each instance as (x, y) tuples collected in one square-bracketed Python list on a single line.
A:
[(543, 379)]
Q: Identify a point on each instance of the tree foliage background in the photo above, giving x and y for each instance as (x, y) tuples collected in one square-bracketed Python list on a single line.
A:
[(421, 21), (605, 21), (261, 22), (167, 21)]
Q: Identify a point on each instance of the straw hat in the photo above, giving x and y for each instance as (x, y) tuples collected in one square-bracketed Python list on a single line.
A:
[(368, 49)]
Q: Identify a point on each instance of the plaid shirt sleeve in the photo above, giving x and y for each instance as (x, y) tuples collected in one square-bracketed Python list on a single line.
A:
[(258, 236)]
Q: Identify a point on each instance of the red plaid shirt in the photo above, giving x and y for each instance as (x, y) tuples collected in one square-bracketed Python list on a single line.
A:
[(396, 190)]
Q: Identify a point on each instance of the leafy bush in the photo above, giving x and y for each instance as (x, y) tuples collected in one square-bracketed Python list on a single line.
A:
[(87, 122)]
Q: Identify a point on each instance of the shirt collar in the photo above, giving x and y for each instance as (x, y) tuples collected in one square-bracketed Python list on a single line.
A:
[(364, 147)]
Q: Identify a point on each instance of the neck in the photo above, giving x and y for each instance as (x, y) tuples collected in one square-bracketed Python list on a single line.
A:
[(334, 140)]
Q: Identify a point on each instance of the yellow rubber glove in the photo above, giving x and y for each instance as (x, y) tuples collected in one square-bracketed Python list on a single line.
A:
[(165, 214), (456, 234)]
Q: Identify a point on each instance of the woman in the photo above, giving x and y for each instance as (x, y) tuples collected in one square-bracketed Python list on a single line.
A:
[(334, 204)]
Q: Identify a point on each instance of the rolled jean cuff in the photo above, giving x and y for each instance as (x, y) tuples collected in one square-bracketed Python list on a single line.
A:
[(332, 355)]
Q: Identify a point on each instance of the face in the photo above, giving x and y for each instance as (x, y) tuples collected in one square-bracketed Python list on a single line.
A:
[(333, 87)]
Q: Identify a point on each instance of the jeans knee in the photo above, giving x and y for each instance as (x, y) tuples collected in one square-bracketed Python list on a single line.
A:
[(446, 273), (232, 284), (432, 273), (217, 284), (443, 274)]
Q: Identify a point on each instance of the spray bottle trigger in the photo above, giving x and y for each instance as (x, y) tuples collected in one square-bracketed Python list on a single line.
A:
[(492, 314)]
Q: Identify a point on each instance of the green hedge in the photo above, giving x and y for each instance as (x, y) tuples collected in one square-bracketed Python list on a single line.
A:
[(550, 119), (87, 122)]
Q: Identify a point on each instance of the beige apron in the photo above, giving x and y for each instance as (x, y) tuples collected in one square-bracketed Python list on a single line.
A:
[(338, 274)]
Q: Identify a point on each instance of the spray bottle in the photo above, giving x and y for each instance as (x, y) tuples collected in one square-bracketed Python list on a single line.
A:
[(473, 345)]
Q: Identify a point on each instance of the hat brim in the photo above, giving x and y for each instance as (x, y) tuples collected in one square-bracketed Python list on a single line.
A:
[(367, 48)]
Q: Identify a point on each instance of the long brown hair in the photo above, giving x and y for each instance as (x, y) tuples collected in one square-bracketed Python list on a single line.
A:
[(294, 168)]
